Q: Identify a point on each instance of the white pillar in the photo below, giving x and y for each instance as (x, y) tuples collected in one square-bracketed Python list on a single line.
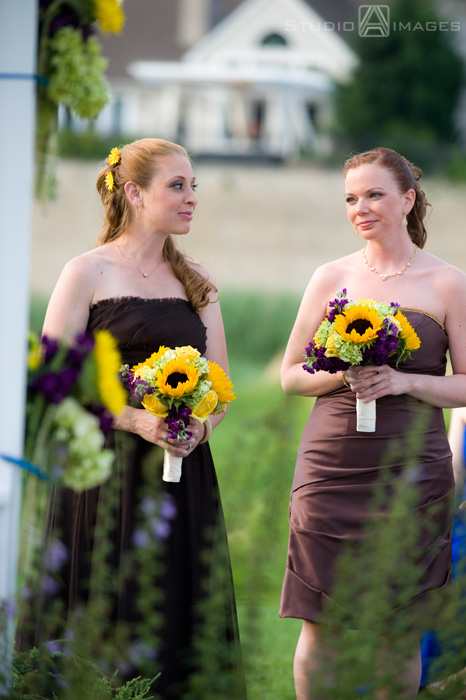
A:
[(18, 28)]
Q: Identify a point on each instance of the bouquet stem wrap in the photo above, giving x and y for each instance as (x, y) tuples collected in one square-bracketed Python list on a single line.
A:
[(171, 467), (365, 416)]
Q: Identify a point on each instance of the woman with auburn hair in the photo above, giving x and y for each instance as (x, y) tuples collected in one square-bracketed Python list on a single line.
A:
[(337, 468), (140, 287)]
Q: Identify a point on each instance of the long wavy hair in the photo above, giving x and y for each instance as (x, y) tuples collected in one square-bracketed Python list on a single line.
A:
[(138, 163), (406, 176)]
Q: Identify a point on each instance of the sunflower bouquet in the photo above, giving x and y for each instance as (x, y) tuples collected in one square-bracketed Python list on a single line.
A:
[(363, 332), (177, 384)]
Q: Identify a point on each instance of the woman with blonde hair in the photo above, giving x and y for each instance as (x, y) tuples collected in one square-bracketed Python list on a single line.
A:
[(140, 287)]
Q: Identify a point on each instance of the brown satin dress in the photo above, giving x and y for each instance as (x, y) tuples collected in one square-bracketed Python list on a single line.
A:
[(337, 468)]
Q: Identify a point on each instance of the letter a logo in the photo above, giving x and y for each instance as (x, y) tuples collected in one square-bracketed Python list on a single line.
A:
[(374, 20)]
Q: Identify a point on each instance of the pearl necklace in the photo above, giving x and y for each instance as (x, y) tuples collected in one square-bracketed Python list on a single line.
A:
[(382, 276), (144, 274)]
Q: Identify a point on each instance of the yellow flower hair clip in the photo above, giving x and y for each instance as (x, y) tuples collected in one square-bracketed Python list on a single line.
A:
[(114, 157), (109, 181)]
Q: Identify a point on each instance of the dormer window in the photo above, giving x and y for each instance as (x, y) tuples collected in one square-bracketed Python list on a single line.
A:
[(274, 39)]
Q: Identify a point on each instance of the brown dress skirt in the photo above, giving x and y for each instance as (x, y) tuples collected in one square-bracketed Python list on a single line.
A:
[(337, 469)]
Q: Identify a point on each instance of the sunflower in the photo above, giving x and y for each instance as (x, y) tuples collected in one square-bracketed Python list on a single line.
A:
[(109, 181), (408, 333), (359, 324), (221, 383), (178, 378), (109, 15), (149, 363), (114, 157), (108, 362)]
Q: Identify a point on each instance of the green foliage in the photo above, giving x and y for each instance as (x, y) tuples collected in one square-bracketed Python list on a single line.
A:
[(257, 328), (88, 144), (405, 90)]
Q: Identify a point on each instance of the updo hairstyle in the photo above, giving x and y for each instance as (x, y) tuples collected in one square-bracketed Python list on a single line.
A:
[(138, 163), (407, 177)]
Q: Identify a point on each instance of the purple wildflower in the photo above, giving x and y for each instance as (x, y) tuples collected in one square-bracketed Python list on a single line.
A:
[(148, 505), (160, 528), (141, 651), (50, 347), (140, 539), (56, 555), (177, 421), (323, 363), (9, 608), (49, 584), (337, 305), (54, 647), (168, 509)]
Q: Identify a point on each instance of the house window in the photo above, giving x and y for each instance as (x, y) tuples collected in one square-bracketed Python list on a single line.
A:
[(274, 39)]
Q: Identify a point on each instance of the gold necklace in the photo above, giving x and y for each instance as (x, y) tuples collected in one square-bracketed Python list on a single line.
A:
[(144, 274), (382, 276)]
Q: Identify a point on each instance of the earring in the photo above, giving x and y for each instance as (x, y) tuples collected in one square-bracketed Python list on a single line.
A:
[(405, 221), (138, 209)]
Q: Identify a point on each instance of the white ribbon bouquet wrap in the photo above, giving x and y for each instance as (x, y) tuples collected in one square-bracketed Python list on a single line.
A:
[(365, 416), (360, 333), (177, 384)]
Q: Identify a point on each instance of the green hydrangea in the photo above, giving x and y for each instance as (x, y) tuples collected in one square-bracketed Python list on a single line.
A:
[(85, 463), (77, 73), (323, 333)]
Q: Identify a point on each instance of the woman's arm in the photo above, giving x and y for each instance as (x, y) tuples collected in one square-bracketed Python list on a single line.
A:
[(216, 349), (456, 438), (313, 308)]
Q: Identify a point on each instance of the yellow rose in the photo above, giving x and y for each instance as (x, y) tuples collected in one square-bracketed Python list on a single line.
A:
[(187, 352), (205, 406), (140, 371), (152, 404), (330, 349)]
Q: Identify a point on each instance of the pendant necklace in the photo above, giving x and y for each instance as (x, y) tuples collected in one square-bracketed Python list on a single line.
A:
[(394, 274), (144, 274)]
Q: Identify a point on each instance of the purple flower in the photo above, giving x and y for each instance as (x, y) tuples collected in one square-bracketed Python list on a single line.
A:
[(54, 647), (337, 305), (56, 386), (168, 509), (140, 539), (141, 651), (83, 345), (56, 555), (50, 348), (160, 529), (9, 608), (323, 363), (148, 505), (177, 420), (49, 584)]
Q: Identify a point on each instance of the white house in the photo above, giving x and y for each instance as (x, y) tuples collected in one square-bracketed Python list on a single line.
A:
[(257, 83)]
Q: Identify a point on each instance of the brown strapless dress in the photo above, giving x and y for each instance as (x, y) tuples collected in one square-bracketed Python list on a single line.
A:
[(193, 558), (336, 471)]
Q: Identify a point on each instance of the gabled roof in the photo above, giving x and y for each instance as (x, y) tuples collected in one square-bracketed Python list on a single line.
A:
[(308, 44), (150, 32)]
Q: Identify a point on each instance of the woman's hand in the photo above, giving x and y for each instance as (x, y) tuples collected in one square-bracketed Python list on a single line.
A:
[(155, 430), (370, 383)]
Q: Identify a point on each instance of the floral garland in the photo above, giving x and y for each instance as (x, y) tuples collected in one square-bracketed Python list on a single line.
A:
[(72, 67)]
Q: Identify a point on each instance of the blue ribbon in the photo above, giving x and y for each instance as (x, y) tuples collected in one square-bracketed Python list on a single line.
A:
[(25, 76), (27, 466)]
